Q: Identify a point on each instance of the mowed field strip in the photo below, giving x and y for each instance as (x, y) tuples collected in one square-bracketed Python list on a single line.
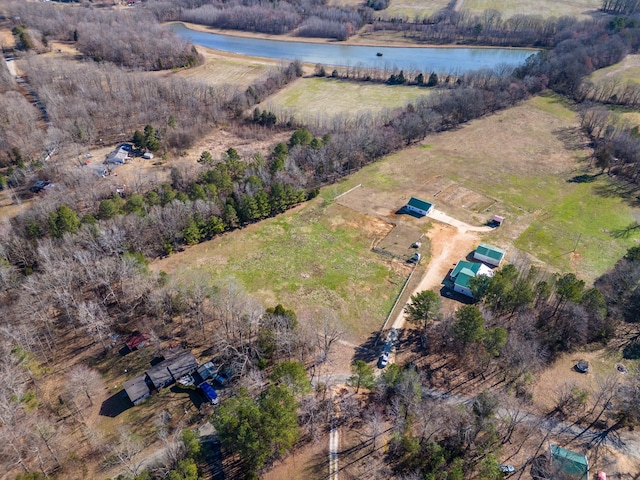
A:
[(311, 98), (547, 8)]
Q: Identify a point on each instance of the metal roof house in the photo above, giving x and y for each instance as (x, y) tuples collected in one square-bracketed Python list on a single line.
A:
[(464, 271), (572, 464), (174, 367), (420, 207), (489, 254), (137, 389)]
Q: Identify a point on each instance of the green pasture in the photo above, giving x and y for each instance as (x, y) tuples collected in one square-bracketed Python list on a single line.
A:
[(310, 98), (583, 228), (547, 8), (318, 256), (414, 8), (628, 70)]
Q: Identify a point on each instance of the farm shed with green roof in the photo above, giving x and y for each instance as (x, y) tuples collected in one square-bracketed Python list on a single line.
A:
[(572, 464), (489, 254), (420, 207)]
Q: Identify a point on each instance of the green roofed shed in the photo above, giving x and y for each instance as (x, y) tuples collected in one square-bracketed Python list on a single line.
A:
[(419, 206), (489, 254), (570, 463)]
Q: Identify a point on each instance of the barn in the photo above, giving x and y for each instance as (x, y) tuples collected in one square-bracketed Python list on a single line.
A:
[(463, 272), (489, 254), (419, 207)]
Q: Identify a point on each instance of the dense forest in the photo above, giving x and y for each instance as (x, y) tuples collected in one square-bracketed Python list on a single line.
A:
[(74, 269)]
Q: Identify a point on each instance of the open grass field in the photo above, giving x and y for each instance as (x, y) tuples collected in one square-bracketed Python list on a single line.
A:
[(628, 70), (219, 69), (547, 8), (414, 8), (520, 163), (318, 255), (312, 98)]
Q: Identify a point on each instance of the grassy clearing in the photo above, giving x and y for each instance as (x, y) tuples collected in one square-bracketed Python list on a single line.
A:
[(547, 8), (522, 158), (316, 256), (628, 70), (310, 97), (414, 8), (226, 71), (579, 229)]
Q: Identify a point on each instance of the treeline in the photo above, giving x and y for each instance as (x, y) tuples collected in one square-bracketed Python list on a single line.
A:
[(616, 144), (131, 39), (620, 7), (192, 208), (311, 19)]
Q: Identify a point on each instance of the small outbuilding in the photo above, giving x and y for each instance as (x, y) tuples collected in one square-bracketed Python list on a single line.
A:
[(136, 340), (463, 272), (489, 254), (137, 389), (570, 464), (497, 220), (419, 207)]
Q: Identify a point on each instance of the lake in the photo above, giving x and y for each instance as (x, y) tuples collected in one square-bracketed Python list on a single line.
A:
[(426, 59)]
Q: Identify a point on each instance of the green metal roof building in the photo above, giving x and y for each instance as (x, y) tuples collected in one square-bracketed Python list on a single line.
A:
[(465, 271), (570, 463), (489, 254), (418, 206)]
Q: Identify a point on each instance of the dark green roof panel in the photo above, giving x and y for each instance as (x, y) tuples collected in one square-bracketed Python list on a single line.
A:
[(421, 204), (490, 251)]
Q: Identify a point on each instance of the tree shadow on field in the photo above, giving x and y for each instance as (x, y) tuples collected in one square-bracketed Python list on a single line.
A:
[(571, 137), (369, 350), (618, 188), (584, 178)]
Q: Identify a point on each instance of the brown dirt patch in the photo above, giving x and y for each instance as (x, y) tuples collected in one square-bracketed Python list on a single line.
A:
[(462, 197), (398, 242), (601, 365)]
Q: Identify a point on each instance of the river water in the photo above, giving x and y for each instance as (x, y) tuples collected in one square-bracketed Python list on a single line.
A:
[(453, 60)]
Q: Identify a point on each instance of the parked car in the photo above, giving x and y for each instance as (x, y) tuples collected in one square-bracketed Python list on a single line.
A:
[(507, 468), (415, 258), (383, 361), (41, 185)]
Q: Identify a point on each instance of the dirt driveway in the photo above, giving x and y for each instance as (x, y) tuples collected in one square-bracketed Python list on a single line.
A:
[(451, 240)]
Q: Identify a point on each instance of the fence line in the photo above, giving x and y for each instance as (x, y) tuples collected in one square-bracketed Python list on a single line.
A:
[(348, 191)]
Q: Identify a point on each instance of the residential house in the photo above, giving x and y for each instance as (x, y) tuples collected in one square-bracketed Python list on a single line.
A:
[(464, 271), (137, 389)]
